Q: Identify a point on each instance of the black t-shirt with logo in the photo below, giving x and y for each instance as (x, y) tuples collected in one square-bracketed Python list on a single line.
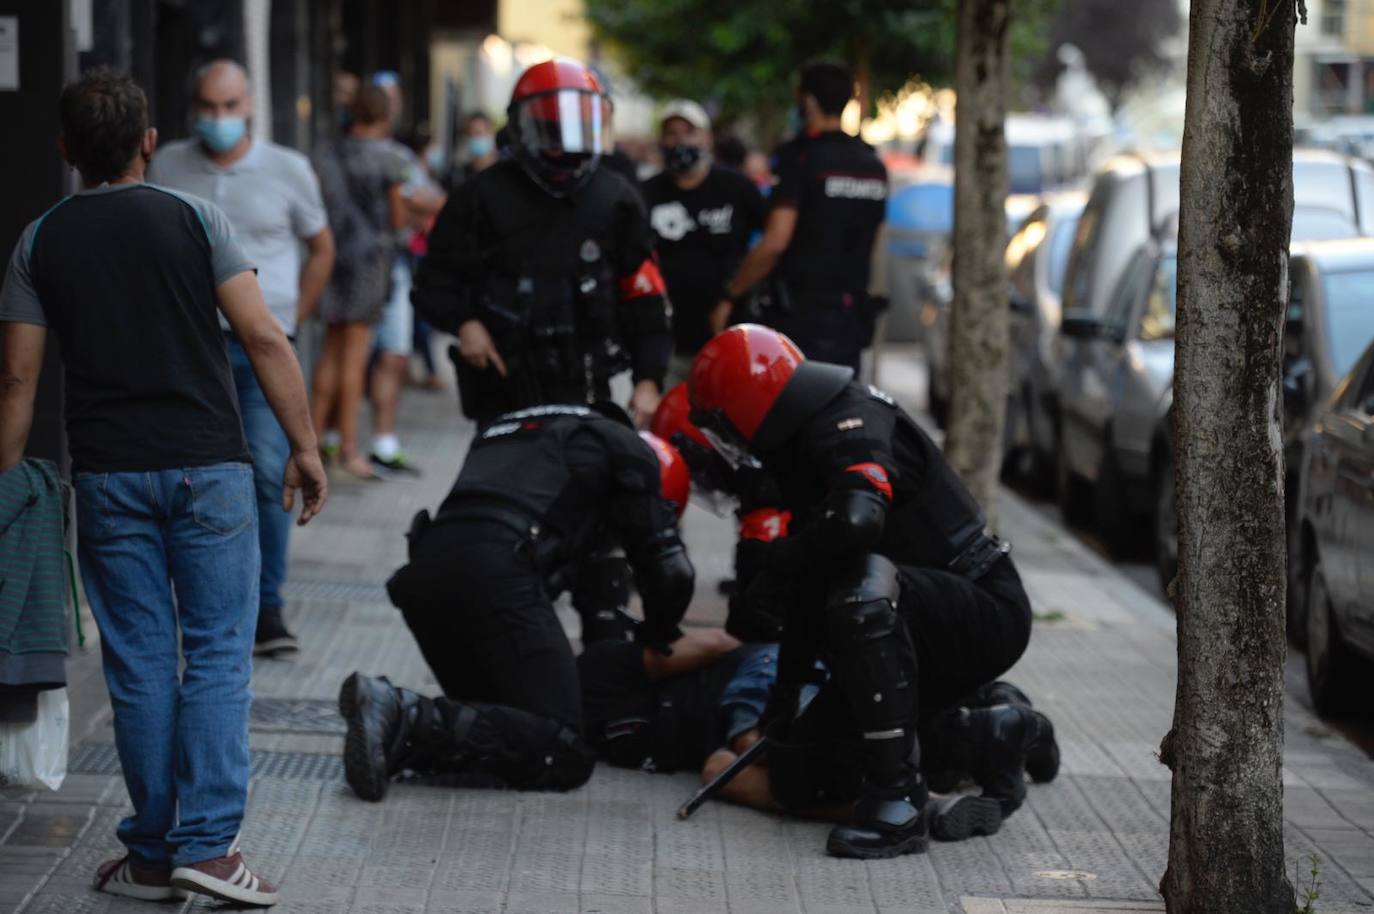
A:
[(702, 235)]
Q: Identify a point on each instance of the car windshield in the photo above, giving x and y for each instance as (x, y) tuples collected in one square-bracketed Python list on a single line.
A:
[(1061, 242), (1319, 224), (1349, 316), (1158, 320), (1025, 171)]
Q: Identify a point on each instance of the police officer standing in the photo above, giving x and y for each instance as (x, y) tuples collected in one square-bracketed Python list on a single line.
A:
[(826, 210), (542, 264), (477, 596), (867, 490)]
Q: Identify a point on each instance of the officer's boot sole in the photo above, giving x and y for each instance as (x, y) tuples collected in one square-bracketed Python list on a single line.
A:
[(961, 818), (913, 844), (364, 756)]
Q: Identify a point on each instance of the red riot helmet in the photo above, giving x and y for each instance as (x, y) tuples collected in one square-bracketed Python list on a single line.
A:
[(750, 387), (673, 424), (674, 479), (559, 122)]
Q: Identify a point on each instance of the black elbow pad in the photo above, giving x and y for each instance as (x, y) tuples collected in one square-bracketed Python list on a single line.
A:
[(852, 521), (666, 581)]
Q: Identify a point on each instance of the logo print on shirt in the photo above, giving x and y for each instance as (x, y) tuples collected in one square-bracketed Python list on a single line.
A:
[(853, 187), (671, 221)]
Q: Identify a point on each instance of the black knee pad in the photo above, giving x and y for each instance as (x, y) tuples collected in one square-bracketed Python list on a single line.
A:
[(569, 763), (871, 651)]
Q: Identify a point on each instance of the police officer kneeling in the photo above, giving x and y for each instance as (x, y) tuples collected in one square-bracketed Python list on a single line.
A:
[(541, 488), (868, 490)]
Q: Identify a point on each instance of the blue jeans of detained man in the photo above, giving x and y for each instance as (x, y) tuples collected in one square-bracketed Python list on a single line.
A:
[(271, 451), (160, 551)]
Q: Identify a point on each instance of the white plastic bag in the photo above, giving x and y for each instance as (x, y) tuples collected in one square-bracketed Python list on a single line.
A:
[(35, 755)]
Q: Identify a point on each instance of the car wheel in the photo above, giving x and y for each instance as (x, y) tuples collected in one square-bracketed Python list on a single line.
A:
[(1165, 524), (1014, 455), (1328, 660), (939, 409), (1075, 501), (1112, 510)]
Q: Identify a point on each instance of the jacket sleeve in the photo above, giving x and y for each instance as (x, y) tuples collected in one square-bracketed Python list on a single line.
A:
[(647, 527), (446, 286), (645, 312)]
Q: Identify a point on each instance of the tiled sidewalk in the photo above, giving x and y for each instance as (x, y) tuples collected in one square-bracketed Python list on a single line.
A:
[(1101, 664)]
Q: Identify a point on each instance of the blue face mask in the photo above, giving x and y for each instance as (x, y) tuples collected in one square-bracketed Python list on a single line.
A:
[(221, 134), (479, 146)]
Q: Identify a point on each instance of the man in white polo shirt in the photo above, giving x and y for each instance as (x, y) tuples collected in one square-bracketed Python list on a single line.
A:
[(272, 199)]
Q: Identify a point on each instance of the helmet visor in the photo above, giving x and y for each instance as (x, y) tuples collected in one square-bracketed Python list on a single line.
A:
[(564, 122), (732, 449)]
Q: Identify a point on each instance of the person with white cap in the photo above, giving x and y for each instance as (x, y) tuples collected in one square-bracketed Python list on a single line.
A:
[(703, 216)]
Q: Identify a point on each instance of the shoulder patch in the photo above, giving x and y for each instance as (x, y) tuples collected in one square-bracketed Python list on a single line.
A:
[(848, 425), (881, 396)]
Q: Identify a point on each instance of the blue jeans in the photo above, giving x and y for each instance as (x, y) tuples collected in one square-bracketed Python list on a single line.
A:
[(270, 450), (182, 740)]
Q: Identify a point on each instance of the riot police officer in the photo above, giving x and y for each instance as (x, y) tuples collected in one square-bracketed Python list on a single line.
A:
[(821, 236), (477, 596), (542, 264), (866, 488), (989, 737)]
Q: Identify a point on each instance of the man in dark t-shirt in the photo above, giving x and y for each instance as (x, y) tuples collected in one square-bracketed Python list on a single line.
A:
[(132, 280), (822, 232), (704, 217)]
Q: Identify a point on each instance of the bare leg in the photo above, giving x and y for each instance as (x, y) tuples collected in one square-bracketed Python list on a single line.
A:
[(387, 377), (357, 342), (750, 788), (326, 381)]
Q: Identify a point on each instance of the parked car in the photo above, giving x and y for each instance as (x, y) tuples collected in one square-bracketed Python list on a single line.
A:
[(1336, 523), (1330, 321), (1044, 153), (1117, 389), (1037, 257), (1113, 461), (937, 301)]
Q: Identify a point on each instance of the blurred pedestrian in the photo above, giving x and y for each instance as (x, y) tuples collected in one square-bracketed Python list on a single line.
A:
[(361, 178), (703, 216), (476, 150), (132, 279), (730, 151), (825, 213), (272, 199), (394, 339)]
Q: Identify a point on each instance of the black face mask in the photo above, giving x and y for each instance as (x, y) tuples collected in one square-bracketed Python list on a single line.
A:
[(681, 158)]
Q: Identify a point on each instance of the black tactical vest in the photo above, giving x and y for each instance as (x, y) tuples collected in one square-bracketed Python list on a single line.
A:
[(549, 295)]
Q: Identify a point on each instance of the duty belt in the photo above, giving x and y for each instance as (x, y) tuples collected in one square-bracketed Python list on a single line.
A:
[(978, 556), (505, 513)]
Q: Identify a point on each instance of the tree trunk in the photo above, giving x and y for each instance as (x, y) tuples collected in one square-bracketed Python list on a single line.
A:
[(1226, 746), (980, 319)]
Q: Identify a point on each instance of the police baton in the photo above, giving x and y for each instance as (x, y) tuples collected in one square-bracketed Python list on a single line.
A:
[(717, 783)]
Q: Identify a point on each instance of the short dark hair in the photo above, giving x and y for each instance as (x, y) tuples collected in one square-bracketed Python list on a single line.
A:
[(829, 83), (371, 106), (104, 117), (731, 152)]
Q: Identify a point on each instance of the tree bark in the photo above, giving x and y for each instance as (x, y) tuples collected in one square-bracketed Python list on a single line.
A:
[(1226, 746), (980, 319)]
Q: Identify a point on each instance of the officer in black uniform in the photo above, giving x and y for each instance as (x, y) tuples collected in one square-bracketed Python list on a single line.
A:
[(989, 737), (826, 210), (542, 265), (541, 488), (867, 489)]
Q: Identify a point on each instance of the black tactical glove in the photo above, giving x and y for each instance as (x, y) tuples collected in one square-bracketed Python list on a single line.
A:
[(665, 578)]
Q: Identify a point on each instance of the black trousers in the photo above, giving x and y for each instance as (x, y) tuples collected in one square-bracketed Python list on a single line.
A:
[(965, 634), (473, 599)]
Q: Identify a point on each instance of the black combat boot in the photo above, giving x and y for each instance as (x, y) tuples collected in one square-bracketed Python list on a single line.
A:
[(958, 818), (1042, 758), (383, 725), (887, 822), (1000, 737)]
